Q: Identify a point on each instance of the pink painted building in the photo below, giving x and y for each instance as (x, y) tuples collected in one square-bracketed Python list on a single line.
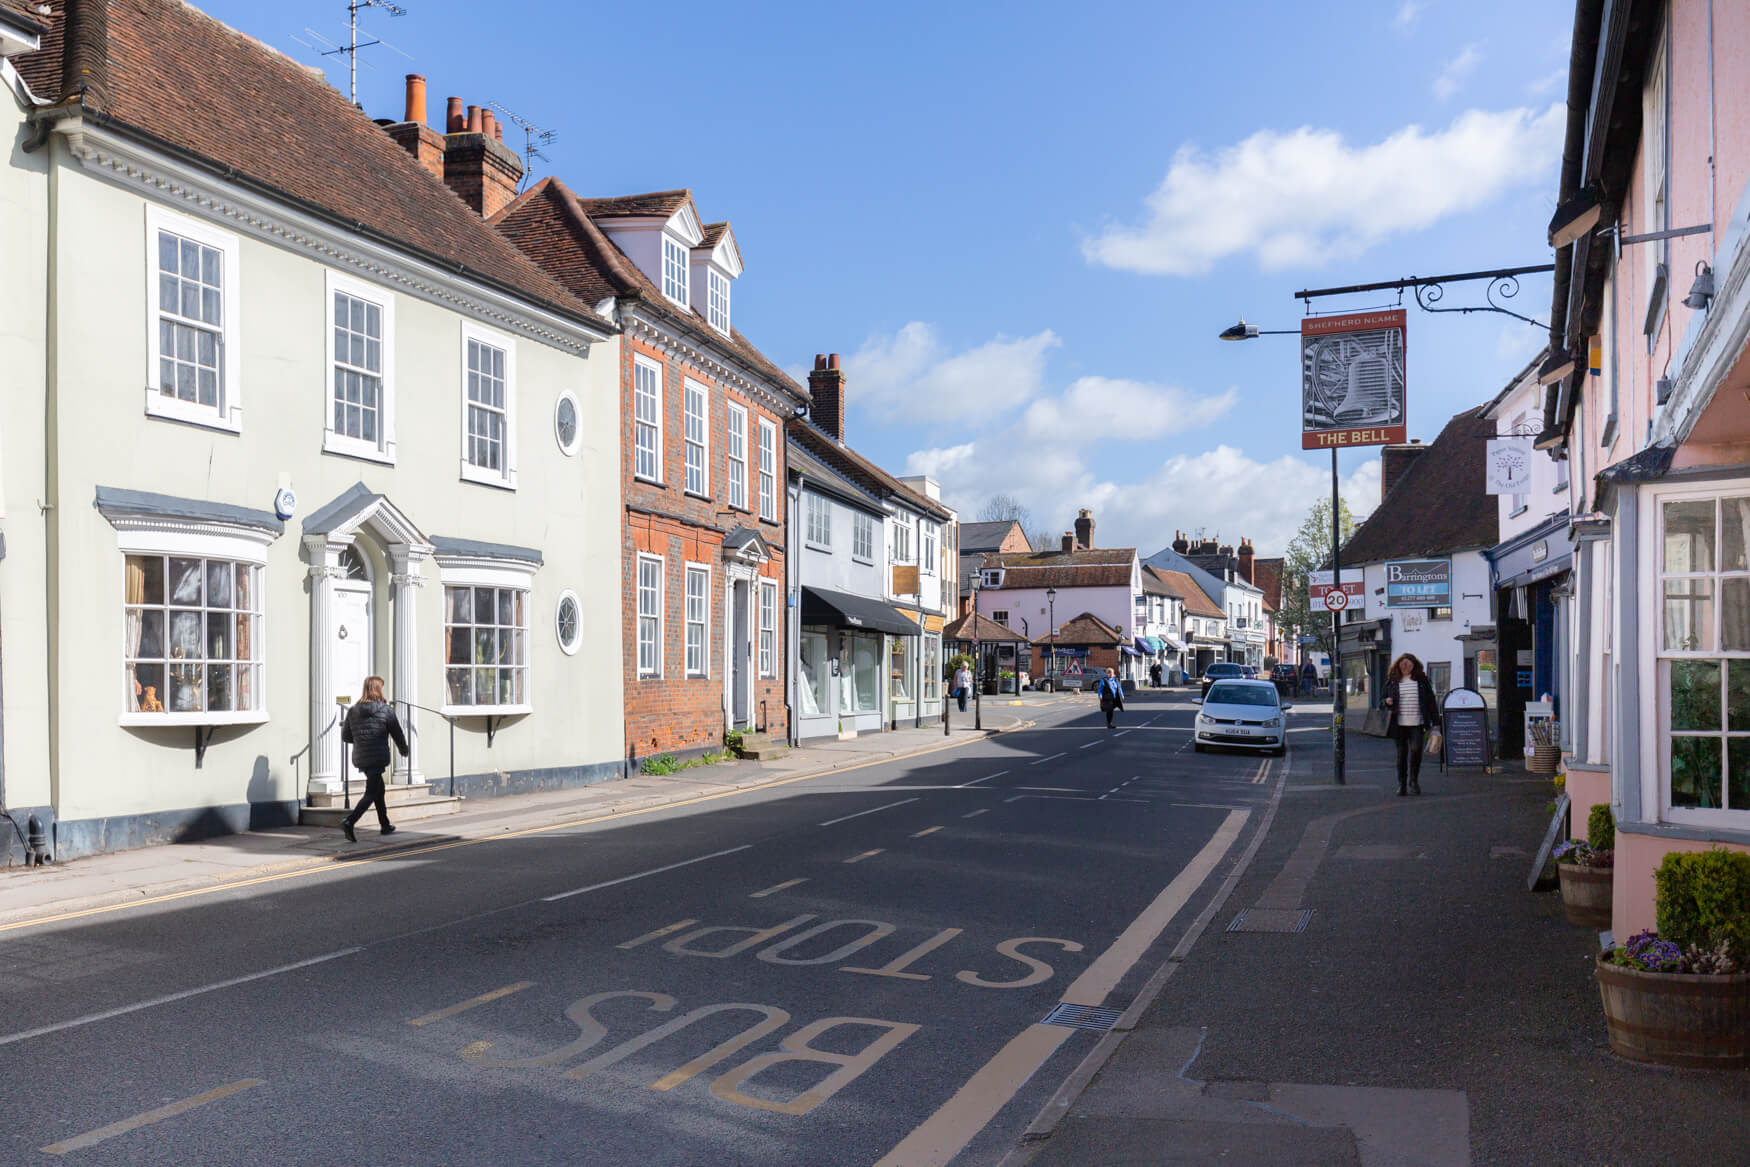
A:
[(1648, 399)]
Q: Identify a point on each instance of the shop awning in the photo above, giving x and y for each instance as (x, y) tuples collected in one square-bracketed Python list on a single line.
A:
[(1172, 643), (1149, 644), (1127, 650), (844, 610)]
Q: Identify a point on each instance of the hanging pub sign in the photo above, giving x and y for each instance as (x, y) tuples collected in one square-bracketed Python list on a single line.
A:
[(1509, 465), (1418, 583), (1352, 382)]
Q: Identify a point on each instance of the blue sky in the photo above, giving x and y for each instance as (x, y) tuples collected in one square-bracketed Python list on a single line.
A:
[(1023, 225)]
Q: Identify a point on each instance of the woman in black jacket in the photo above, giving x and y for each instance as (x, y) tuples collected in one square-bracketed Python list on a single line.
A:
[(369, 726), (1411, 709)]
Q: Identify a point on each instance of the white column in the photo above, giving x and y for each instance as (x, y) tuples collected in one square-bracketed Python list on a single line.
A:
[(405, 580), (324, 726)]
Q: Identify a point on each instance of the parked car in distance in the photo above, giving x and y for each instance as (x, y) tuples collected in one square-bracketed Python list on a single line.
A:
[(1221, 670), (1250, 670), (1286, 679), (1242, 713)]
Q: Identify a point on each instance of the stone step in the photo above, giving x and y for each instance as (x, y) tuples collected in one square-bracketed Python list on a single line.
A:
[(394, 794), (755, 746), (424, 808)]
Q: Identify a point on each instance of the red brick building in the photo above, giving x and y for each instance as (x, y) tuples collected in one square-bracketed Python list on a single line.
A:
[(702, 439)]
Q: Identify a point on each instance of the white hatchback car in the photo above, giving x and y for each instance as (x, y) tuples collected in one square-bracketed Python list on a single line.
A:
[(1245, 714)]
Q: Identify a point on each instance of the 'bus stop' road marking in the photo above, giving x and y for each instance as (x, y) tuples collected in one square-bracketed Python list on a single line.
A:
[(776, 888), (104, 1133), (471, 1002)]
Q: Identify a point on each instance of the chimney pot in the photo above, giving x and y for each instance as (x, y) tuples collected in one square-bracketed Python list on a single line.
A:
[(826, 385), (455, 121), (820, 360), (832, 361), (498, 130), (474, 122), (487, 121), (415, 98)]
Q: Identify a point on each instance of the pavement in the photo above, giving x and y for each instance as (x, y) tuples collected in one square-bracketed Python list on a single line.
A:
[(1411, 1003), (31, 894)]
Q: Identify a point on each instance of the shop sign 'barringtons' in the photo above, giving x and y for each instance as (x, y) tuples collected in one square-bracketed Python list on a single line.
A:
[(1352, 380)]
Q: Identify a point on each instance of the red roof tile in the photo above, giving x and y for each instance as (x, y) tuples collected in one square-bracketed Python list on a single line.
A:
[(1084, 629)]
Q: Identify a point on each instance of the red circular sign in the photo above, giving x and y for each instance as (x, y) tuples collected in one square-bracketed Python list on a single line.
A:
[(1336, 600)]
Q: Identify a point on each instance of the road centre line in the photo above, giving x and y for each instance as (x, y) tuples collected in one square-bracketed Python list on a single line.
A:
[(471, 1002), (945, 1133), (976, 781), (773, 890), (974, 814), (103, 1133), (1089, 746), (653, 871), (1121, 733), (403, 854), (926, 831), (1042, 761), (865, 855), (861, 813), (1051, 789), (169, 997)]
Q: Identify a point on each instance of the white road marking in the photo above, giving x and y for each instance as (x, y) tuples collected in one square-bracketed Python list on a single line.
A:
[(169, 997), (976, 781), (974, 814), (1121, 733), (776, 888), (1089, 746), (1042, 761), (653, 871), (861, 813)]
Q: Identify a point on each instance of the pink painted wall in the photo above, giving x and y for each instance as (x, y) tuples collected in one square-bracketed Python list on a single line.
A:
[(1631, 891), (1586, 789)]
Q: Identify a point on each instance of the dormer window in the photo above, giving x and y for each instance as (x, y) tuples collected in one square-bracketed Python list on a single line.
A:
[(674, 270), (719, 300)]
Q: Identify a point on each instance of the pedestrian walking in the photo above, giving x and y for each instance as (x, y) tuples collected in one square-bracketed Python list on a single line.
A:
[(1309, 678), (962, 685), (1111, 695), (1154, 674), (1411, 709), (370, 725)]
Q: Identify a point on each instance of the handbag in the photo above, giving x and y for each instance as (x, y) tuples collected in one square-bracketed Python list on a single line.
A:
[(1436, 740)]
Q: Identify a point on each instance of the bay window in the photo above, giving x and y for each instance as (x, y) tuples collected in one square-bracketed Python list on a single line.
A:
[(192, 639), (486, 661)]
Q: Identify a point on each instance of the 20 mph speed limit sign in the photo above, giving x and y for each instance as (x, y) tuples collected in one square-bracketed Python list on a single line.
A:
[(1336, 600)]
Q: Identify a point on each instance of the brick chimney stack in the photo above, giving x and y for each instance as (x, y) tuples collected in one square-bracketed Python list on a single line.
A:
[(1181, 544), (1246, 555), (413, 135), (1069, 542), (826, 384), (482, 170), (1085, 529), (1394, 461)]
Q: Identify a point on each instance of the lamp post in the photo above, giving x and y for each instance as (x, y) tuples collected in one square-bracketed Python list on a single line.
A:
[(977, 661), (1244, 331), (1051, 643)]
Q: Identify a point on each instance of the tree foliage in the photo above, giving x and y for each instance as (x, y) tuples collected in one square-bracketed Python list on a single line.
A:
[(1309, 551), (1003, 507)]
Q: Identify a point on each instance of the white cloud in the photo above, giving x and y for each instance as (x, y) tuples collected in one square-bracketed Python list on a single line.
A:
[(1110, 407), (1517, 342), (1457, 71), (1307, 197), (1408, 12), (914, 370), (1549, 83)]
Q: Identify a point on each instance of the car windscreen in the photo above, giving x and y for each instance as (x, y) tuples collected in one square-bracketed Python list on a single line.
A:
[(1241, 695), (1224, 671)]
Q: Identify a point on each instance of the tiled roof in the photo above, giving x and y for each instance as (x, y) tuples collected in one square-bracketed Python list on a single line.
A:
[(24, 12), (638, 206), (988, 630), (714, 233), (178, 78), (558, 231), (859, 469), (1105, 567), (1084, 629), (976, 537), (1437, 506), (802, 462), (1181, 585), (1171, 562)]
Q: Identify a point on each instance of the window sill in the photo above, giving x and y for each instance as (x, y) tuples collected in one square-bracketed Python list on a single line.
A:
[(649, 481), (698, 676), (1607, 437), (485, 710), (697, 495), (649, 676), (144, 720), (813, 546), (345, 447), (157, 406), (864, 562), (1513, 514), (474, 474)]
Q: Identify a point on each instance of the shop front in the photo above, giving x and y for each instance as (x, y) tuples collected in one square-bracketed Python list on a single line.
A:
[(1531, 572), (850, 647)]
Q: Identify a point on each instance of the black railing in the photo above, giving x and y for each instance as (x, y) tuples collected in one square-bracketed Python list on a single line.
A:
[(452, 724)]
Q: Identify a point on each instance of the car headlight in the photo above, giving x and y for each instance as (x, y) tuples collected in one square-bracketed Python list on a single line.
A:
[(1202, 720), (1273, 723)]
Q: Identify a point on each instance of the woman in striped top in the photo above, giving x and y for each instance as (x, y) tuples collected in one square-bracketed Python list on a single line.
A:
[(1411, 709)]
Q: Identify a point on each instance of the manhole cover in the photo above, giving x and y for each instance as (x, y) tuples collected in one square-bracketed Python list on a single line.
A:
[(1083, 1017), (1271, 920)]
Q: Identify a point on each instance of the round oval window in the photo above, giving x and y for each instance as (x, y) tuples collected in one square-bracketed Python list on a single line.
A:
[(568, 623), (565, 422)]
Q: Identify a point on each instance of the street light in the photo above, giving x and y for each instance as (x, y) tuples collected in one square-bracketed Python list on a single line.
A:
[(1244, 331), (1051, 641), (977, 661)]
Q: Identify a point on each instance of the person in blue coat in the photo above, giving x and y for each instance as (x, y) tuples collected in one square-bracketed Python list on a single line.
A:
[(1111, 695)]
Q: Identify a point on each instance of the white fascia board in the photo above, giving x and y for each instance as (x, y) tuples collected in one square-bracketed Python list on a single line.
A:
[(684, 223), (15, 37), (726, 255), (160, 178)]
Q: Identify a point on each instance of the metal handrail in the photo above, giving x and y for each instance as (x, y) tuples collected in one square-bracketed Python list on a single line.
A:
[(452, 725), (345, 791)]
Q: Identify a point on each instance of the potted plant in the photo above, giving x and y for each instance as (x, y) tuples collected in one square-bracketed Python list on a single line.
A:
[(1680, 996), (1586, 868), (1006, 680)]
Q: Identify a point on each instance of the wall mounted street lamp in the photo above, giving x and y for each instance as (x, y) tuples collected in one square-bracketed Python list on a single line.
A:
[(1701, 292)]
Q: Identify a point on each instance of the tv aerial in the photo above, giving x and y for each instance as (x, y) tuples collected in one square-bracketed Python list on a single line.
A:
[(534, 138), (350, 50)]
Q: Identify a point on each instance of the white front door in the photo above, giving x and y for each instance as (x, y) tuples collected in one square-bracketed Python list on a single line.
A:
[(352, 635)]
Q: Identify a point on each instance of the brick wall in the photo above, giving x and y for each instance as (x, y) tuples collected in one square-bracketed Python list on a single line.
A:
[(675, 712)]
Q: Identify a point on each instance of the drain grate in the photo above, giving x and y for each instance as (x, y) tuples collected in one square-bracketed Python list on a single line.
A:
[(1291, 920), (1083, 1017)]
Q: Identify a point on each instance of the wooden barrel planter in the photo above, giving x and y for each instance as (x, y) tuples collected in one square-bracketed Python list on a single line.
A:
[(1676, 1019), (1586, 895), (1544, 759)]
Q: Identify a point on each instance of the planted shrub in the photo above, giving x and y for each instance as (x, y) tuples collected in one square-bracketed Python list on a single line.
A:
[(1601, 828), (1703, 899)]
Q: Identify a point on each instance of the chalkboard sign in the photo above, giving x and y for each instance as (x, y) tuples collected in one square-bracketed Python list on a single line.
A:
[(1549, 841), (1466, 730)]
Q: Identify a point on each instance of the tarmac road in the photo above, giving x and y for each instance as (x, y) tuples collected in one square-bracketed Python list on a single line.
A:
[(853, 969)]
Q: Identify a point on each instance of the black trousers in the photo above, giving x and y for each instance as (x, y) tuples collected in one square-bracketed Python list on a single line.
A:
[(1411, 739), (1109, 710), (961, 697), (374, 793)]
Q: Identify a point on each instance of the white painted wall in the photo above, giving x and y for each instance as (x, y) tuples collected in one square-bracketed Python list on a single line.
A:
[(1522, 410)]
